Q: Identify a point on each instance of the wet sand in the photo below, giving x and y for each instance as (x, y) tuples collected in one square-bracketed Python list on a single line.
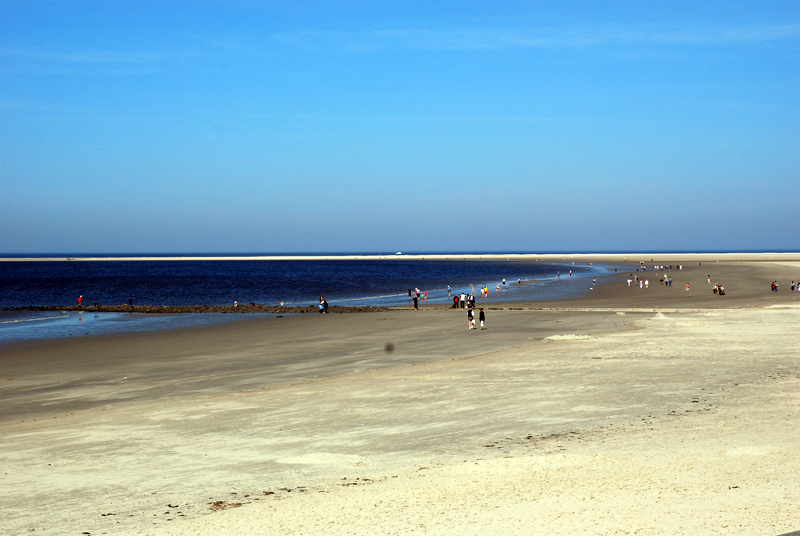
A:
[(640, 411)]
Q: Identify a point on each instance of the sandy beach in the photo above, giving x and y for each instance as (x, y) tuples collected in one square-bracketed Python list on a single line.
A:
[(626, 411)]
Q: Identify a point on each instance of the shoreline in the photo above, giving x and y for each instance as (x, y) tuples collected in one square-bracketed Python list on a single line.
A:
[(746, 282)]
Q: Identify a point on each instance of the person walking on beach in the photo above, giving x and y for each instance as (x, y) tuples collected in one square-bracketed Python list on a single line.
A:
[(448, 291), (416, 303), (470, 319), (687, 286), (463, 300), (482, 317), (455, 302)]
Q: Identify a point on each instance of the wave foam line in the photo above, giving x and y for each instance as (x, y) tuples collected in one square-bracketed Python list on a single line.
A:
[(32, 319)]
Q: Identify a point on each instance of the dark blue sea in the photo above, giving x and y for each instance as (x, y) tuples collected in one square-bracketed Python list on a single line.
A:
[(221, 282)]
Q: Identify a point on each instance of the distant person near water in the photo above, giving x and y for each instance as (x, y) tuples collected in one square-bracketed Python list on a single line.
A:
[(80, 300)]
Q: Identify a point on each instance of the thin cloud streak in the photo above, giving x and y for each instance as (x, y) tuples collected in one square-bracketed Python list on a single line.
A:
[(82, 56), (544, 38), (52, 60)]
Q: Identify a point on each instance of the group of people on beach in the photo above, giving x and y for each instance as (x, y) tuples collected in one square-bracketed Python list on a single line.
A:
[(636, 282), (792, 287), (471, 317), (658, 267), (717, 289), (417, 296), (468, 302), (462, 301)]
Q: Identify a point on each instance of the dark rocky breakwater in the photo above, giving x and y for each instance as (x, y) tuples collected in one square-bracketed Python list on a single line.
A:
[(173, 309)]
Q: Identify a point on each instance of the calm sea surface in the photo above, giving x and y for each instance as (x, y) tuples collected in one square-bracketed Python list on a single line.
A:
[(383, 282)]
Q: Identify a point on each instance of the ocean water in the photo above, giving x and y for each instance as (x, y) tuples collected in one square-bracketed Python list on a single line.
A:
[(382, 282)]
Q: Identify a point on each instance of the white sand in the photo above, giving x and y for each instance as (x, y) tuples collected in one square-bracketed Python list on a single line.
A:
[(667, 424)]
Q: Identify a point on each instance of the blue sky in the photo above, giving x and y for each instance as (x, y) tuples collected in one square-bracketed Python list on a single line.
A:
[(460, 126)]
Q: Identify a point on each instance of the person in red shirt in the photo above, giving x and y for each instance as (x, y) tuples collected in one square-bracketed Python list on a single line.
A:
[(80, 299)]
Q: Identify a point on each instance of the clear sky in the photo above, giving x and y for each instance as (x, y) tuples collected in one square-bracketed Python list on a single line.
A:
[(398, 126)]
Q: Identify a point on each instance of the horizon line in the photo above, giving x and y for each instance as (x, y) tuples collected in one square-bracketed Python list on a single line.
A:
[(616, 255)]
